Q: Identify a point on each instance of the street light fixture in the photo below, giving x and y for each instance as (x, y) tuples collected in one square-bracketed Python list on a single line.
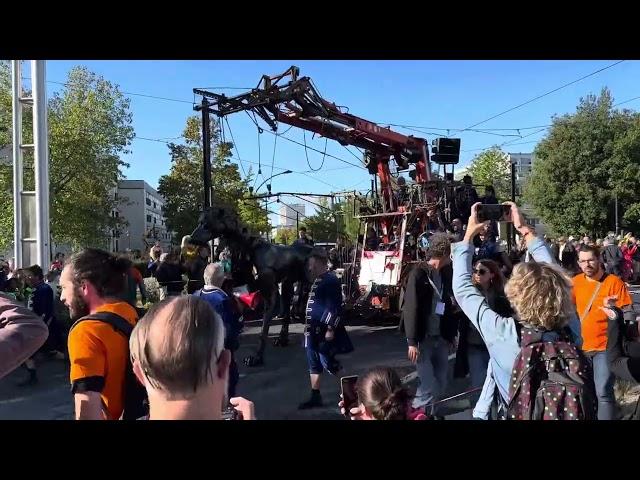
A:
[(286, 172)]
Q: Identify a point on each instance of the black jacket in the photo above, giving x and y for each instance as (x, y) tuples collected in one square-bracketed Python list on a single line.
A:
[(623, 355), (612, 257), (170, 275), (195, 273), (418, 295)]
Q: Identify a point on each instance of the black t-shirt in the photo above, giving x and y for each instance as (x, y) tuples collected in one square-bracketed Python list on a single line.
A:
[(170, 275)]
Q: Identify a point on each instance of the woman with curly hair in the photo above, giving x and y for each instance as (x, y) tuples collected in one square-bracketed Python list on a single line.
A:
[(539, 292)]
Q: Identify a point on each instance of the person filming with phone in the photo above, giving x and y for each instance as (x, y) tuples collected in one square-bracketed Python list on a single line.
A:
[(178, 353), (540, 294), (377, 395)]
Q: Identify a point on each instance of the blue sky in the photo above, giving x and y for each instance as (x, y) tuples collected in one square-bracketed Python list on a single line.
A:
[(436, 94)]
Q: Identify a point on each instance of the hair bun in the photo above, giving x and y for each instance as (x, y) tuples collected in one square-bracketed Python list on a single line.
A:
[(395, 405)]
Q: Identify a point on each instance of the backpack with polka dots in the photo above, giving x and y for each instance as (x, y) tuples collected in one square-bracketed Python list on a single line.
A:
[(551, 379)]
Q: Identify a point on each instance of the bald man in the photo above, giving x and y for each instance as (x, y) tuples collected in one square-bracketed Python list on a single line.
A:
[(178, 354)]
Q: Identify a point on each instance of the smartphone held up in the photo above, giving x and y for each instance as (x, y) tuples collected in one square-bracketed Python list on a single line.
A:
[(494, 212), (349, 393)]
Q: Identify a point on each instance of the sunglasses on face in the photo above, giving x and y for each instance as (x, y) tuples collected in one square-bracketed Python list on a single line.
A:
[(480, 271)]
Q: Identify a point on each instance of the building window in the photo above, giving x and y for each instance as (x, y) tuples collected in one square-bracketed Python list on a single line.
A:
[(148, 218), (115, 196), (154, 220), (148, 202), (154, 205)]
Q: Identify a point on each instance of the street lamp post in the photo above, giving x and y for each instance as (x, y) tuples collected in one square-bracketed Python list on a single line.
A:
[(617, 228), (286, 172), (251, 190), (512, 231)]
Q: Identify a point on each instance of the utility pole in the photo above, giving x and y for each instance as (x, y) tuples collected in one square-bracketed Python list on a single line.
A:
[(32, 236), (267, 211), (616, 214), (206, 152), (512, 231)]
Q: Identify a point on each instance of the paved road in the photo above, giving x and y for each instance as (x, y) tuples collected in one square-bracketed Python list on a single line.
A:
[(277, 388)]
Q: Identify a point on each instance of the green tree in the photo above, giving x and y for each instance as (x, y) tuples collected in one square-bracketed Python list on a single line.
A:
[(322, 225), (6, 175), (585, 160), (348, 225), (89, 128), (285, 235), (250, 210), (6, 169), (183, 187), (492, 167)]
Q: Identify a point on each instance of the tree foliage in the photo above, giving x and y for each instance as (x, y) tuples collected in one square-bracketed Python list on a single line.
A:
[(183, 187), (322, 225), (89, 129), (585, 161), (285, 235), (492, 167)]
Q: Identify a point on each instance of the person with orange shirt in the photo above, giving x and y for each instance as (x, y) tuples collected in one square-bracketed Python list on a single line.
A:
[(93, 282), (590, 288)]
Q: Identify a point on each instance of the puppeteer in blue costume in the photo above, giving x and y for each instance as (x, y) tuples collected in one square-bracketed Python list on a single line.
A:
[(325, 335)]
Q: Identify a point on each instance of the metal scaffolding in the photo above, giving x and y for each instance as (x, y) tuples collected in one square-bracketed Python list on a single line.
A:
[(31, 208)]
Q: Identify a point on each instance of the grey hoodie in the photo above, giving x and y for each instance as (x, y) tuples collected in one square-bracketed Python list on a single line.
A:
[(22, 333)]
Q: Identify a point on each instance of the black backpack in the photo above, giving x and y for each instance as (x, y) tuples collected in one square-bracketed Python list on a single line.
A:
[(136, 403)]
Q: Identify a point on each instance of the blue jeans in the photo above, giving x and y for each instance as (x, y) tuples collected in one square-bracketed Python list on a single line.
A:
[(604, 380), (432, 368), (478, 361), (484, 407), (319, 362)]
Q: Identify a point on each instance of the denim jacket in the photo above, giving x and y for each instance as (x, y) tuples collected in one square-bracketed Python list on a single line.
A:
[(499, 333)]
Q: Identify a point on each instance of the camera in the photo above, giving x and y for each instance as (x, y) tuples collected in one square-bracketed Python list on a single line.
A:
[(630, 330), (231, 413)]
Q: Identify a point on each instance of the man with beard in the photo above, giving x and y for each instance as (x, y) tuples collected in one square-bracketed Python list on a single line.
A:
[(590, 288), (92, 285)]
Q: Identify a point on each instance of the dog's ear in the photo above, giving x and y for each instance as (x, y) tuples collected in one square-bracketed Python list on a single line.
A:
[(220, 212)]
